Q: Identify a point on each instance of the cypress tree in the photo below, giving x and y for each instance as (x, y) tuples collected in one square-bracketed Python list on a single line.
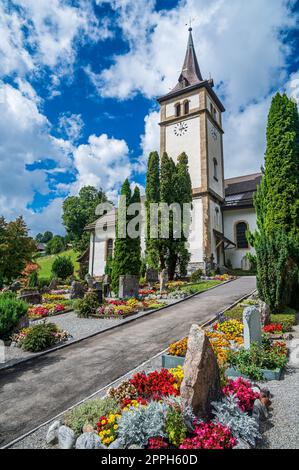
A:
[(277, 207), (122, 256), (135, 243), (152, 192)]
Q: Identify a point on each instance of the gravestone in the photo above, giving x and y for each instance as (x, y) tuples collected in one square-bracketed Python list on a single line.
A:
[(128, 286), (209, 265), (106, 285), (201, 384), (15, 286), (163, 280), (89, 279), (151, 276), (97, 287), (265, 313), (252, 326), (77, 290)]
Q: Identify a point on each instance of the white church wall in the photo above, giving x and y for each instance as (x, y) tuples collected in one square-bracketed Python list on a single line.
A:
[(189, 142), (210, 102), (215, 152), (195, 242), (230, 219), (216, 223), (99, 250)]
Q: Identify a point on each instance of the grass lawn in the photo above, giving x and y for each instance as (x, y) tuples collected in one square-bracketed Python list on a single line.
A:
[(45, 262), (199, 287)]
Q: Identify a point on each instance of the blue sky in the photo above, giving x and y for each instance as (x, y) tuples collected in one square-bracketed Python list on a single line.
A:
[(79, 78)]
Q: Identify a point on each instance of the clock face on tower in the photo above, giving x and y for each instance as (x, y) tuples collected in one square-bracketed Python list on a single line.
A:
[(180, 128)]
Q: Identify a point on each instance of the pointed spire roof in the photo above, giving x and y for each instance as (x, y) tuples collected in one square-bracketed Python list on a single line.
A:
[(190, 74)]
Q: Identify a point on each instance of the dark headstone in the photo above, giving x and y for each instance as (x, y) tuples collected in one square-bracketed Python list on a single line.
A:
[(151, 276), (15, 286), (77, 290), (53, 284), (128, 286), (31, 298)]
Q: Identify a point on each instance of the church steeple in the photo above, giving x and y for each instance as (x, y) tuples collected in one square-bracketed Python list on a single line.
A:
[(190, 74)]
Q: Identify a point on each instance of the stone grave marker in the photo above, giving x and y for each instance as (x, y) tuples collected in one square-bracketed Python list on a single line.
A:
[(151, 276), (128, 286), (252, 326), (201, 384), (163, 280)]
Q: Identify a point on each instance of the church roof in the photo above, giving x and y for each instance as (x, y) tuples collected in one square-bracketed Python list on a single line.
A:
[(190, 77), (239, 191), (190, 74)]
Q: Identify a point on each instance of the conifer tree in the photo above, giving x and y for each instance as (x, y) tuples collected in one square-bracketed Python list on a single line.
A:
[(152, 193), (135, 243), (277, 207)]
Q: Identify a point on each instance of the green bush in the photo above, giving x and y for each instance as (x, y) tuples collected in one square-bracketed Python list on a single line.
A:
[(287, 320), (250, 362), (89, 413), (43, 282), (33, 279), (235, 313), (40, 337), (87, 306), (196, 275), (62, 267), (11, 310)]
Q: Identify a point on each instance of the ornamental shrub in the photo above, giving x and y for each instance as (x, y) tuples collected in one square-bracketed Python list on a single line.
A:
[(250, 362), (40, 337), (33, 279), (227, 412), (138, 425), (210, 436), (287, 320), (11, 310), (196, 275), (88, 305), (175, 426), (89, 413), (62, 267)]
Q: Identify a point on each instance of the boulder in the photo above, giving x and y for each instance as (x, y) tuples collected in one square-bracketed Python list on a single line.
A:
[(52, 434), (88, 428), (242, 445), (66, 437), (260, 411), (89, 440), (135, 446), (201, 384)]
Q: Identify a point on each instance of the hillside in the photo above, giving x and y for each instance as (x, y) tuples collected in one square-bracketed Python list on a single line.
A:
[(46, 262)]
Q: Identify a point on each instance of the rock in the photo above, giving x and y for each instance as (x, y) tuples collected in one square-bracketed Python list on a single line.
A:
[(117, 444), (23, 323), (77, 290), (252, 327), (89, 440), (88, 428), (265, 313), (288, 336), (52, 434), (259, 412), (128, 286), (242, 445), (135, 446), (201, 384), (66, 437)]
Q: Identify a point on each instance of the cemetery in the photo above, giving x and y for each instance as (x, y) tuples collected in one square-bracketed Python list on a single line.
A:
[(194, 403)]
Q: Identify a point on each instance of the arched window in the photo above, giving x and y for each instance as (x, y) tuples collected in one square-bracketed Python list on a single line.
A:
[(241, 240), (178, 109), (109, 248), (186, 107), (215, 163)]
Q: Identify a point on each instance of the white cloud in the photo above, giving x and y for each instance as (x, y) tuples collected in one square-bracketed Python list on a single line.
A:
[(150, 140), (50, 218), (25, 138), (292, 87), (103, 162), (53, 29), (71, 125)]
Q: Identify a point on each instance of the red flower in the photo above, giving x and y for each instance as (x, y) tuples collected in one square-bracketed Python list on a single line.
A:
[(273, 328), (241, 388), (155, 385), (210, 436)]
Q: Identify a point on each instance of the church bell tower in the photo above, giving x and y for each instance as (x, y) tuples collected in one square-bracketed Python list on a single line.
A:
[(191, 122)]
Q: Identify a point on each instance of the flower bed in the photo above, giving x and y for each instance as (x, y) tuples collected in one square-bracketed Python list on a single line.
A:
[(147, 411), (39, 337), (45, 310), (124, 308)]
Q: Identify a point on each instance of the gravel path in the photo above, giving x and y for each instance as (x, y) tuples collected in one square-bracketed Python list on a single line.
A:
[(281, 431)]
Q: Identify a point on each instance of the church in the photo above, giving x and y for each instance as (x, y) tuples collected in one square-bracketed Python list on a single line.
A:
[(191, 122)]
